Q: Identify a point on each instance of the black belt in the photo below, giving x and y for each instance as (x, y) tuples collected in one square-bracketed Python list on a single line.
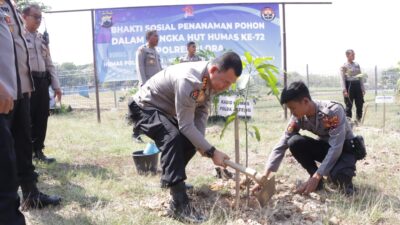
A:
[(39, 74), (353, 81)]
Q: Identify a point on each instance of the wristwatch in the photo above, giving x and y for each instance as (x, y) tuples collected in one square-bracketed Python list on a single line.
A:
[(210, 152)]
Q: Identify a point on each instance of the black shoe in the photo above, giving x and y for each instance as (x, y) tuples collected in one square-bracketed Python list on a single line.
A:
[(320, 185), (180, 208), (185, 213), (39, 155), (345, 184), (39, 201), (349, 190), (188, 187)]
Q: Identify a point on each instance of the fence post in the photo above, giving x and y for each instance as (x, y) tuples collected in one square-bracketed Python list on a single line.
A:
[(376, 86), (115, 94), (96, 80), (284, 53)]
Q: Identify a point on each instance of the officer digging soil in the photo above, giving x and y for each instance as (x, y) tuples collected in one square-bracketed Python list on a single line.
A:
[(172, 109), (336, 147)]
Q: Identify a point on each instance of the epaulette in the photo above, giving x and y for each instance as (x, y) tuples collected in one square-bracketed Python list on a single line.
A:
[(333, 103), (142, 47), (328, 110), (329, 120)]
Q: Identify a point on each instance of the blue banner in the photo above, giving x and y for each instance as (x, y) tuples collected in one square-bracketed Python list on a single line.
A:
[(218, 27)]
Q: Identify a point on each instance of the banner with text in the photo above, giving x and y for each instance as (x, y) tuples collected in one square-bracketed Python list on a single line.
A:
[(219, 27)]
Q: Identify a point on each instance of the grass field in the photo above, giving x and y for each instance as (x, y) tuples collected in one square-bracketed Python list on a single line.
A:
[(97, 179)]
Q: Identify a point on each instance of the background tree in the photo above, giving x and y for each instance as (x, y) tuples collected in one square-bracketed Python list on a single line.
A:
[(21, 4)]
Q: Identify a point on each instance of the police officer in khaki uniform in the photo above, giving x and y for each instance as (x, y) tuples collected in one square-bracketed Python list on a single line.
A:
[(191, 55), (353, 86), (172, 109), (327, 120), (9, 199), (19, 119), (44, 74), (148, 63), (148, 60)]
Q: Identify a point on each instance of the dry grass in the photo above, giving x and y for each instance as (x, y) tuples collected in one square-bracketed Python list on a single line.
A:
[(96, 176)]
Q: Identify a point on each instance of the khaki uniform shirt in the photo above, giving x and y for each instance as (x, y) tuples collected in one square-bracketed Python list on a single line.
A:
[(17, 31), (187, 58), (181, 91), (39, 57), (148, 63), (329, 124), (349, 71), (8, 73)]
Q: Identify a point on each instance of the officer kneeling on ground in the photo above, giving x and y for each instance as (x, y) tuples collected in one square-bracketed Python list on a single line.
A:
[(333, 148), (172, 109)]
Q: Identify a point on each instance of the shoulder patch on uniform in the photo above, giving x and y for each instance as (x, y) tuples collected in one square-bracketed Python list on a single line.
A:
[(195, 94), (291, 127), (330, 122)]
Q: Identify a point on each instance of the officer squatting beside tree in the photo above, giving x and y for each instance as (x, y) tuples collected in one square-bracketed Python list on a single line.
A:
[(333, 148)]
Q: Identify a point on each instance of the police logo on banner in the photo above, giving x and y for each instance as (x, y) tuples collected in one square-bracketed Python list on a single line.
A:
[(106, 20), (189, 12), (267, 13)]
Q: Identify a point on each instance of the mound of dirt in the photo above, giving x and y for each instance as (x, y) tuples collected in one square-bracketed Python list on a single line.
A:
[(217, 201)]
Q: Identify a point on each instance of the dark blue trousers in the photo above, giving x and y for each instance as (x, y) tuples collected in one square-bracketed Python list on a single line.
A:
[(307, 151), (9, 199), (176, 149), (39, 109)]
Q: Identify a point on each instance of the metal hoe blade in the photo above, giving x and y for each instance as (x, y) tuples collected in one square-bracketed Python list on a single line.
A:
[(267, 185), (266, 192)]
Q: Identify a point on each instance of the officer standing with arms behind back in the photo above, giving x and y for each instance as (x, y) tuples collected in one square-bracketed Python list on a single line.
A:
[(191, 55), (327, 120), (148, 63), (172, 109), (9, 199), (43, 74), (353, 86), (19, 119)]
